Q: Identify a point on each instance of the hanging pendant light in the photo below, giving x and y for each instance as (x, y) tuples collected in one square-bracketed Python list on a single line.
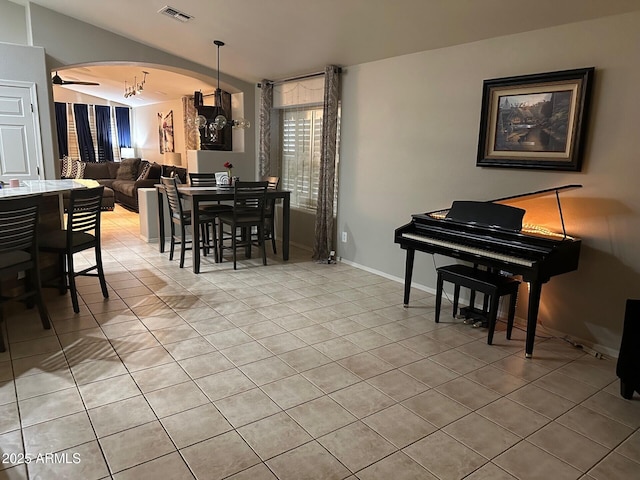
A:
[(221, 121)]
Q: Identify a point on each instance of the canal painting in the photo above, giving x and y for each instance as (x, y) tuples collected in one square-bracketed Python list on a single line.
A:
[(536, 122)]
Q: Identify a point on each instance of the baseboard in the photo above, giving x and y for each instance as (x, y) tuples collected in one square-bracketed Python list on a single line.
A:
[(149, 239), (386, 275), (297, 245), (594, 349)]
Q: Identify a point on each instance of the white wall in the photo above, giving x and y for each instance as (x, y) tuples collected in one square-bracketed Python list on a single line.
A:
[(145, 130), (209, 161), (13, 23), (424, 158), (64, 95)]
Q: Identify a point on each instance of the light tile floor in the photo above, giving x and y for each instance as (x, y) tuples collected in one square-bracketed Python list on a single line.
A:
[(292, 371)]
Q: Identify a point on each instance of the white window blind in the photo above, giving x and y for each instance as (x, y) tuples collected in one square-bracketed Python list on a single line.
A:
[(115, 147), (300, 104), (300, 149), (74, 150), (92, 128)]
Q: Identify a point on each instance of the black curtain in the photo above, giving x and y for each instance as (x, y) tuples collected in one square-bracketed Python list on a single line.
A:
[(103, 133), (123, 126), (85, 143), (61, 127)]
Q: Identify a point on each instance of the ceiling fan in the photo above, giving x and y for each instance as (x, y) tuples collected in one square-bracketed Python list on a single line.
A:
[(57, 80)]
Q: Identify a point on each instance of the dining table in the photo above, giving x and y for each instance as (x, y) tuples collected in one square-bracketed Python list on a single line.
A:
[(201, 195)]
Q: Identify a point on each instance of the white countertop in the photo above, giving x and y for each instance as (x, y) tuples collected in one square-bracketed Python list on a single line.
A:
[(31, 187)]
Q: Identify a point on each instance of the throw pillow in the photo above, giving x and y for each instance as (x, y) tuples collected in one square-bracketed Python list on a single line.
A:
[(76, 169), (144, 174), (154, 172), (80, 167), (128, 169), (65, 167)]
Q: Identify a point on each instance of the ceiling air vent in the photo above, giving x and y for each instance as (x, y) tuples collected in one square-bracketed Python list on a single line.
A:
[(176, 14)]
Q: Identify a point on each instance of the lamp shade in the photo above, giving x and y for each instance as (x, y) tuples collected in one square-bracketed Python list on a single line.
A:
[(172, 158)]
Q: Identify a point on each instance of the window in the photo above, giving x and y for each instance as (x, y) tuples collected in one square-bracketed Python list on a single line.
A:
[(107, 127), (301, 137), (300, 144)]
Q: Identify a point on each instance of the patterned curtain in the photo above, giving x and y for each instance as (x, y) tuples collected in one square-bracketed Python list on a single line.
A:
[(266, 104), (324, 236), (191, 134)]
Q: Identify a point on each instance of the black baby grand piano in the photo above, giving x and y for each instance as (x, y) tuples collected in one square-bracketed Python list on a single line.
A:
[(492, 234)]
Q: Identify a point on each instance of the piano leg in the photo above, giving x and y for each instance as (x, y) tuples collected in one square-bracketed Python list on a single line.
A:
[(408, 272), (535, 289)]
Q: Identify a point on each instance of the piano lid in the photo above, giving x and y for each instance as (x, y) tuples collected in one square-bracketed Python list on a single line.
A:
[(486, 214), (490, 214)]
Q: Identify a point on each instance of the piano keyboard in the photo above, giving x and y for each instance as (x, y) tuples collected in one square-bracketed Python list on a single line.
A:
[(464, 248)]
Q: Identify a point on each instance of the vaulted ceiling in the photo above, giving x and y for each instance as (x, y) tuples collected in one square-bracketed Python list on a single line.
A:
[(280, 38)]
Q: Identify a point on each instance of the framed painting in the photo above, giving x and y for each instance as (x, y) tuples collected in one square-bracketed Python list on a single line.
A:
[(535, 121), (165, 132)]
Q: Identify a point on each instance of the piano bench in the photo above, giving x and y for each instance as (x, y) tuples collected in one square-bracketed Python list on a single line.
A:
[(492, 285)]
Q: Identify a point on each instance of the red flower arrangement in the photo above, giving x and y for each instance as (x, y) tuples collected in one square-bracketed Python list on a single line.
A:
[(228, 166)]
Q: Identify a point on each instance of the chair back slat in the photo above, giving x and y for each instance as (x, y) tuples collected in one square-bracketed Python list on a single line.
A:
[(202, 179), (84, 210), (18, 223), (173, 197), (249, 198)]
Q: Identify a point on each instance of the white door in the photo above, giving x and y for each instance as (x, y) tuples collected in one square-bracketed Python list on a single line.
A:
[(20, 150)]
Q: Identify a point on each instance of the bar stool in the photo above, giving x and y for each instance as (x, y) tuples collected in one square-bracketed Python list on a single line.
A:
[(492, 285), (82, 233), (182, 218), (19, 251)]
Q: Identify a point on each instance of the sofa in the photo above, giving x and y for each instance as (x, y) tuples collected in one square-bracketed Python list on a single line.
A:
[(121, 179)]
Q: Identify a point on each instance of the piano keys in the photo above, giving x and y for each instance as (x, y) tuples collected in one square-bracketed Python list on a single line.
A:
[(491, 234)]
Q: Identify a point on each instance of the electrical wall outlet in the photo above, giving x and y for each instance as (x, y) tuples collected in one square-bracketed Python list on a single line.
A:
[(344, 237)]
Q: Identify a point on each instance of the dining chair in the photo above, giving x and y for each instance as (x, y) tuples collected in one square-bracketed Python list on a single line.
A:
[(181, 218), (249, 200), (270, 213), (211, 208), (19, 251), (202, 179), (82, 233)]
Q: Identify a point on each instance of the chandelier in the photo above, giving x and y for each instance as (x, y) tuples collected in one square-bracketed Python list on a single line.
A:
[(136, 88), (221, 119)]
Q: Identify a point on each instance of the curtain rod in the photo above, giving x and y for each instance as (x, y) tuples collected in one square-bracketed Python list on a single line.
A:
[(299, 77)]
